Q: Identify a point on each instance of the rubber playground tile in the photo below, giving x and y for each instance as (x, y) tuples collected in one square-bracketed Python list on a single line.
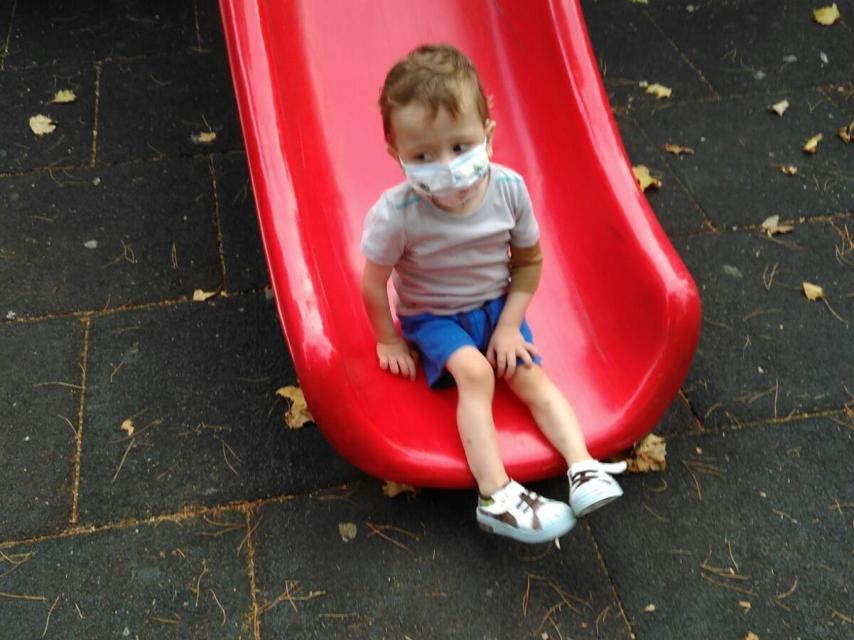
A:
[(59, 32), (181, 105), (630, 50), (29, 94), (39, 401), (740, 148), (742, 533), (420, 568), (95, 238), (676, 211), (179, 578), (841, 95), (197, 381), (245, 266), (765, 350), (741, 46)]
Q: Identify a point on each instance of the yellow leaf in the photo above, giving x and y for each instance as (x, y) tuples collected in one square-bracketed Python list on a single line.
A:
[(771, 225), (298, 414), (779, 107), (204, 137), (650, 454), (744, 604), (392, 489), (811, 145), (199, 295), (677, 150), (751, 636), (846, 134), (789, 169), (41, 125), (826, 15), (659, 91), (64, 96), (644, 179), (812, 291), (649, 608), (128, 427), (347, 530)]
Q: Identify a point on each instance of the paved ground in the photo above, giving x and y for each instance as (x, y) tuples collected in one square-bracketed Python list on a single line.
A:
[(213, 521)]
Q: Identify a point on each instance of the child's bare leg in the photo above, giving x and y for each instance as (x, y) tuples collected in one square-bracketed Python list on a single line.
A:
[(475, 380), (552, 412)]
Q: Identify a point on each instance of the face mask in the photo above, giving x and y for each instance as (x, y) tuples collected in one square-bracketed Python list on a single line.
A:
[(444, 182)]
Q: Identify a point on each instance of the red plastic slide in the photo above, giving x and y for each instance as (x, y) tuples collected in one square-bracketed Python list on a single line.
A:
[(617, 315)]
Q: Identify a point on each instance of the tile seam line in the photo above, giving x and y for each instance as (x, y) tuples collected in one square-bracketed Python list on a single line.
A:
[(749, 228), (96, 110), (614, 592), (177, 516), (682, 55), (142, 306), (4, 51), (35, 171), (217, 220), (253, 577), (758, 424), (78, 436)]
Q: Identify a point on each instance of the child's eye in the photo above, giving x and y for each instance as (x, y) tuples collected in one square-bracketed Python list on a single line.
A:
[(423, 157), (460, 148)]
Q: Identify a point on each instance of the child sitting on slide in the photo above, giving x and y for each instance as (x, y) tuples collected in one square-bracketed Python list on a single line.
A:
[(461, 243)]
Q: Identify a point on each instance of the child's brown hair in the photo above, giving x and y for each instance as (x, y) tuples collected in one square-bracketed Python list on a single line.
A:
[(433, 76)]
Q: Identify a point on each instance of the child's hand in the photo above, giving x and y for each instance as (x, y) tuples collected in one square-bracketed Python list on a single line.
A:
[(397, 357), (505, 346)]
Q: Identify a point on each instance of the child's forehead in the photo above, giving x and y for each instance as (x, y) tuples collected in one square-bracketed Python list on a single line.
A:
[(416, 117)]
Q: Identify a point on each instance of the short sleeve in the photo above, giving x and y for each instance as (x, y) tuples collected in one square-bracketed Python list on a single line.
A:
[(383, 237), (526, 233)]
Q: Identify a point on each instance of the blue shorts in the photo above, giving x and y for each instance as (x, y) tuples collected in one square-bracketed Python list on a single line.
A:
[(438, 337)]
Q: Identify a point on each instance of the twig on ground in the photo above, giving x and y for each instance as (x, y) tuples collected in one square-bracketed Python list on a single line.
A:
[(289, 595), (380, 529), (198, 588), (221, 608), (16, 596), (49, 612), (655, 515), (249, 534), (122, 462)]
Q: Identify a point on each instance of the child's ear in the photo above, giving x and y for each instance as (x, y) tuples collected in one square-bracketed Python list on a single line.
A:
[(490, 134)]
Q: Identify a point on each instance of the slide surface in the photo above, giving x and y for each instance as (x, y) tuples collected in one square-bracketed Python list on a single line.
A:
[(617, 315)]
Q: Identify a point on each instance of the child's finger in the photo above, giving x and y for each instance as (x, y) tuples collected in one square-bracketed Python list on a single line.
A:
[(530, 348), (393, 366), (383, 363), (523, 353), (491, 356), (410, 366), (510, 368)]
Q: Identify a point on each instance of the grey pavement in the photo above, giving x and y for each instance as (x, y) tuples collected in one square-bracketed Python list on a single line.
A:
[(213, 520)]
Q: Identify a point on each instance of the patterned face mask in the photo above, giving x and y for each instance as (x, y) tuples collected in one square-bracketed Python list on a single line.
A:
[(444, 180)]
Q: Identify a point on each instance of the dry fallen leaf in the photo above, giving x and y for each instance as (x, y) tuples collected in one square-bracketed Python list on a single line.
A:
[(779, 107), (298, 414), (204, 137), (678, 150), (64, 96), (41, 124), (751, 636), (650, 454), (846, 134), (347, 530), (644, 179), (826, 15), (771, 225), (744, 604), (659, 91), (200, 295), (811, 145), (812, 291), (392, 488), (649, 608), (789, 169), (128, 427)]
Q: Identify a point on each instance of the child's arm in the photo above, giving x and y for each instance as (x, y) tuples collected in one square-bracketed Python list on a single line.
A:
[(393, 352), (507, 343)]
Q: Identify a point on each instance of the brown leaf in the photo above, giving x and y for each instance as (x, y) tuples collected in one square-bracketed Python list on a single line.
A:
[(751, 636), (678, 150), (204, 137), (812, 291), (811, 145), (42, 124), (826, 15), (789, 169), (128, 427), (392, 489), (771, 225), (846, 134), (644, 179), (298, 414), (650, 454)]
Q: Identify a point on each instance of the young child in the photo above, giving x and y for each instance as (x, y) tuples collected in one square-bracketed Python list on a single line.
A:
[(461, 243)]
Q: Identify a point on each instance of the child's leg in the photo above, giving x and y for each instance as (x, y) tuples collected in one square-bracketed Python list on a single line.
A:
[(552, 412), (475, 380)]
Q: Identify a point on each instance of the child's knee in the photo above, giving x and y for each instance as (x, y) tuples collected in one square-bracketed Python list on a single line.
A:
[(471, 369)]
